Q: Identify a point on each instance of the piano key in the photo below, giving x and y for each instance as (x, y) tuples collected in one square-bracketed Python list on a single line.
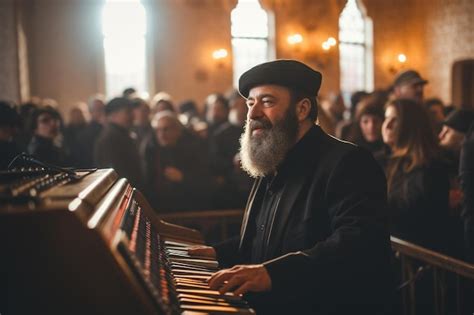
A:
[(217, 309)]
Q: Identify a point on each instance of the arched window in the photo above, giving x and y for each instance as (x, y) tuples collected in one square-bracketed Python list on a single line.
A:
[(124, 30), (250, 36), (355, 48)]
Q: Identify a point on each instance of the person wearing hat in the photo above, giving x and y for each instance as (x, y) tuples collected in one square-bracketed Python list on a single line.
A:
[(314, 236), (466, 176), (455, 127), (114, 147), (451, 139), (409, 84), (45, 127)]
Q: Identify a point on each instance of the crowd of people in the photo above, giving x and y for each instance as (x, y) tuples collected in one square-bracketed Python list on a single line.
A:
[(183, 160)]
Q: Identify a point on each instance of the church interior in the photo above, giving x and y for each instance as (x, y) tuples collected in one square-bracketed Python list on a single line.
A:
[(127, 147)]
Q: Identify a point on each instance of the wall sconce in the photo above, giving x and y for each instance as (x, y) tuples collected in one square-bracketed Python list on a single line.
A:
[(308, 48), (399, 65), (295, 39), (330, 42), (219, 56)]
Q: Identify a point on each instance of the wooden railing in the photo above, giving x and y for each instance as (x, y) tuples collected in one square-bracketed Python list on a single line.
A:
[(215, 225), (416, 260)]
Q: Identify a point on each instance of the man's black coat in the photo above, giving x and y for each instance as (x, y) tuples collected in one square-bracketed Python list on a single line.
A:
[(328, 251)]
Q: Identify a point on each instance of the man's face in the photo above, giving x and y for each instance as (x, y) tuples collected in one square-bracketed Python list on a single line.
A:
[(47, 126), (371, 127), (167, 131), (413, 91), (451, 139), (271, 129)]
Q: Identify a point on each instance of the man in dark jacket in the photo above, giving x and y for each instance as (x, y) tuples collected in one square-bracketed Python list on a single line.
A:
[(91, 131), (314, 238), (115, 148)]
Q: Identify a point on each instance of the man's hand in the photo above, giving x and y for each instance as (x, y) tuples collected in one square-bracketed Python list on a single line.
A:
[(202, 251), (241, 279)]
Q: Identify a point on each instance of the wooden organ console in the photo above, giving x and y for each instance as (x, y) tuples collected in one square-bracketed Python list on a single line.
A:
[(91, 244)]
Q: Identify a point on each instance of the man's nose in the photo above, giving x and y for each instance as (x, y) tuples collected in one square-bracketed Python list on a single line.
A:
[(255, 111)]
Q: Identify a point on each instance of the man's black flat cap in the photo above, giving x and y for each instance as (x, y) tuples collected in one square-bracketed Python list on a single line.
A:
[(288, 73)]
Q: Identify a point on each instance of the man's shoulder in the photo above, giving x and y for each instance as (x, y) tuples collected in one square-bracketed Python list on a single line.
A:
[(331, 153), (330, 147)]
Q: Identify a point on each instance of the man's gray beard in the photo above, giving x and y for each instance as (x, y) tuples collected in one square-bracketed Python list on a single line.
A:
[(263, 153)]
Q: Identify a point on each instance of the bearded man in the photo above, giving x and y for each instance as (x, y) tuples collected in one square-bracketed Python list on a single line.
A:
[(314, 236)]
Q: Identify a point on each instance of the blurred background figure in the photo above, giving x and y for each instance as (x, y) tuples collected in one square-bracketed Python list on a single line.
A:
[(410, 85), (367, 130), (9, 126), (130, 93), (45, 126), (188, 113), (333, 109), (142, 130), (115, 147), (176, 167), (161, 102), (74, 127), (89, 134), (466, 175), (344, 127), (451, 139), (223, 146), (436, 109), (418, 184)]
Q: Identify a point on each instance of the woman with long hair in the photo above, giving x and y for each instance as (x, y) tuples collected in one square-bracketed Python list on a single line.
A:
[(418, 184)]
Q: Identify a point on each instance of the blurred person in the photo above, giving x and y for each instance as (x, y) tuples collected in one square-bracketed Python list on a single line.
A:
[(141, 121), (436, 110), (409, 85), (451, 139), (367, 132), (418, 184), (115, 147), (238, 109), (24, 134), (90, 133), (46, 127), (9, 126), (217, 111), (188, 113), (466, 175), (334, 109), (129, 93), (343, 129), (176, 167), (455, 127), (75, 126), (161, 101), (233, 185)]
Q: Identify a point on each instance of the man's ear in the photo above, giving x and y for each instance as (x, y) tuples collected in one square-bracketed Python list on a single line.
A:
[(303, 108)]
